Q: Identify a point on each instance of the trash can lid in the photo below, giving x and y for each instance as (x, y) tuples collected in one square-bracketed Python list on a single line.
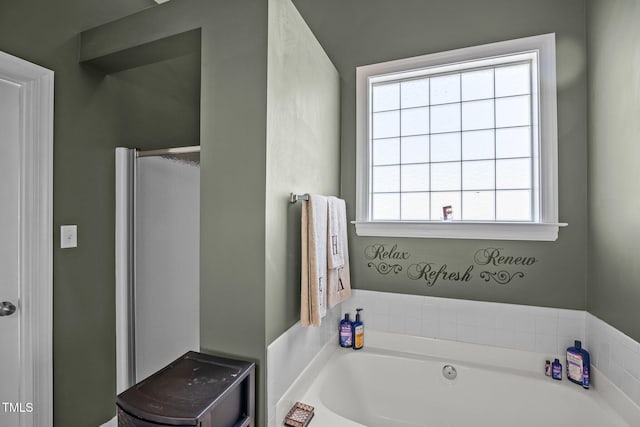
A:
[(184, 390)]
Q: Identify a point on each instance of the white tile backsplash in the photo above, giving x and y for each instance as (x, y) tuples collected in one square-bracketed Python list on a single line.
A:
[(615, 354), (541, 329), (529, 328)]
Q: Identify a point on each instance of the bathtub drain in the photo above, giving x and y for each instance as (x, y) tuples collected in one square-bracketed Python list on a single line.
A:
[(449, 372)]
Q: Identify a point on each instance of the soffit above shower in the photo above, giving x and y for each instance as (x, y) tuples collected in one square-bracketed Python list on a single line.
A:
[(151, 35), (143, 54)]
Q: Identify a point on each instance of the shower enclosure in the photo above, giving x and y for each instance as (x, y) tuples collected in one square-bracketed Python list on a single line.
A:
[(157, 259)]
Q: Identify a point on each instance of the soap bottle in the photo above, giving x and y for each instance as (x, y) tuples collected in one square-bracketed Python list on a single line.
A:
[(578, 364), (556, 370), (345, 333), (358, 331)]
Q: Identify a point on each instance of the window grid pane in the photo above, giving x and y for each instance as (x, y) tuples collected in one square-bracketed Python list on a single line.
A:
[(461, 139)]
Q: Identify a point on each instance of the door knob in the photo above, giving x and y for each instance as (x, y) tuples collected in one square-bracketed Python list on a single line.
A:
[(6, 308)]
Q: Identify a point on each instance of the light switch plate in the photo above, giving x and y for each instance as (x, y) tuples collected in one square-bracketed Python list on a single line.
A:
[(68, 236)]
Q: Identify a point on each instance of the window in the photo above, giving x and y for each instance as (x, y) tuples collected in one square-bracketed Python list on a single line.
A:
[(460, 144)]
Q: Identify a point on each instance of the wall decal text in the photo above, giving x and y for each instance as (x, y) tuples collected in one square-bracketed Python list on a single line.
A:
[(493, 264), (431, 273), (382, 258)]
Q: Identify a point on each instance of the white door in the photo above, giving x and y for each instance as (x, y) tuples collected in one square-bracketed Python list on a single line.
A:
[(26, 243), (10, 406)]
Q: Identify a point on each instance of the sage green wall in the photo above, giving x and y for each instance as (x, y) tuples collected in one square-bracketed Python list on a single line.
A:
[(303, 151), (361, 32), (233, 112), (158, 105), (93, 114), (613, 292)]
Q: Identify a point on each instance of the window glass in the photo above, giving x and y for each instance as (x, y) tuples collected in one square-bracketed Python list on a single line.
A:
[(463, 135), (467, 137)]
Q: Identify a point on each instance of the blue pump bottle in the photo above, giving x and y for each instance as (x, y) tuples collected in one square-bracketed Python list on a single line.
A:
[(358, 331), (345, 333)]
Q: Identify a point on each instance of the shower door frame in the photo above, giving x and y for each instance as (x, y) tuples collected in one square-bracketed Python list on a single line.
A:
[(125, 265), (125, 318)]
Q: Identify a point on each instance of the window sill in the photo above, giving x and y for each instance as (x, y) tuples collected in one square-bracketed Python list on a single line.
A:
[(461, 230)]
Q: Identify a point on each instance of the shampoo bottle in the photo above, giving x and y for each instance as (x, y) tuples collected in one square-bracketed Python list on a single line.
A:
[(345, 333), (556, 370), (358, 331), (578, 364)]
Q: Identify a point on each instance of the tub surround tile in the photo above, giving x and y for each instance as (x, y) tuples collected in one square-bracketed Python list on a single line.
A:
[(530, 328), (525, 322), (615, 354), (537, 329), (525, 341), (300, 384), (505, 338), (448, 314), (569, 321), (467, 333), (413, 325), (448, 331), (546, 324), (546, 344), (512, 320), (290, 353)]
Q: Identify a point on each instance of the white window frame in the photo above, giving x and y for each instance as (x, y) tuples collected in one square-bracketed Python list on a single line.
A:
[(546, 225)]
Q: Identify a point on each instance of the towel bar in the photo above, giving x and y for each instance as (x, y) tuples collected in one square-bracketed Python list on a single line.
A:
[(295, 197)]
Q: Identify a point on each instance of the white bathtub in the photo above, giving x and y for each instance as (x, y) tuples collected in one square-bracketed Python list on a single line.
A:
[(397, 381)]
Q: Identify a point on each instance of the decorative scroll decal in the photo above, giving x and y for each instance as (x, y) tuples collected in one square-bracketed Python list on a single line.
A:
[(502, 277), (387, 259), (384, 268)]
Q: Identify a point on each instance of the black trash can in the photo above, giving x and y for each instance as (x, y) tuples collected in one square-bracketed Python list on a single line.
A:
[(195, 390)]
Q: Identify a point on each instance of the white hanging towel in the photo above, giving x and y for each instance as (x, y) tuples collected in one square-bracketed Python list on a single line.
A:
[(313, 295), (338, 274)]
